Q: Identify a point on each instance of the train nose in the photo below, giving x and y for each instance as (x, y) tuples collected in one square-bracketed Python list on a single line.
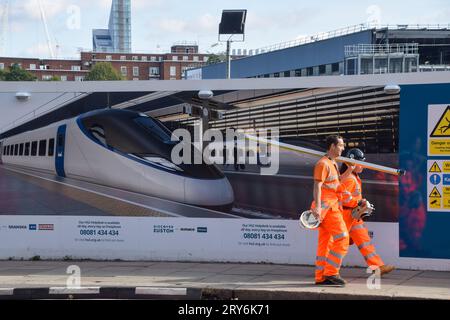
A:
[(217, 192)]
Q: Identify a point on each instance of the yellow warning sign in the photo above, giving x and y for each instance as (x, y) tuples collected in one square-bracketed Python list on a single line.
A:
[(435, 193), (435, 167), (435, 203), (442, 128), (439, 147), (446, 200), (446, 166)]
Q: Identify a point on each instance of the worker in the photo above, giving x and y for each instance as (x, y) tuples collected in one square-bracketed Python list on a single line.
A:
[(333, 234), (359, 235)]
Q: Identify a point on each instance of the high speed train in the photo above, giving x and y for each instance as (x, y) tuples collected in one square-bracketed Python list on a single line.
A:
[(122, 149)]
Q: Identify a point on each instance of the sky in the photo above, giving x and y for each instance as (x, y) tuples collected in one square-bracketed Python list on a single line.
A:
[(157, 24)]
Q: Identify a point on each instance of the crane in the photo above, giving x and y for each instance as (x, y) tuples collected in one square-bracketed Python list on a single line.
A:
[(44, 21)]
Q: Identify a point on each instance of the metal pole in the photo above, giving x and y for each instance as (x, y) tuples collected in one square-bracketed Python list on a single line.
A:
[(228, 60), (368, 165)]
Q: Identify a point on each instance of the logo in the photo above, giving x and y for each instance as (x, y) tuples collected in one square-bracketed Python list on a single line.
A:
[(202, 229), (163, 228), (187, 229), (32, 227), (49, 227), (17, 227)]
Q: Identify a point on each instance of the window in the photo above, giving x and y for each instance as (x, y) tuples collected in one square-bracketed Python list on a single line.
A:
[(335, 67), (153, 71), (135, 71), (32, 66), (135, 58), (2, 66), (173, 71), (175, 58), (123, 57), (27, 149), (287, 73), (63, 78), (79, 78), (195, 58), (4, 150), (99, 133), (108, 57), (7, 151), (51, 147), (34, 148), (76, 68), (47, 77), (21, 150), (205, 59), (123, 70), (185, 58), (16, 149), (322, 69), (42, 147), (152, 58), (155, 128)]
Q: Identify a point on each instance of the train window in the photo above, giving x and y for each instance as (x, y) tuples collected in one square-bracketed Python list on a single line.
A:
[(21, 150), (42, 148), (34, 148), (27, 149), (98, 133), (4, 150), (16, 149), (7, 150), (155, 128), (51, 147)]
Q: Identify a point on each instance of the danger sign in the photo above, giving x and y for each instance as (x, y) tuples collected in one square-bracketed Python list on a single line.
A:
[(438, 130)]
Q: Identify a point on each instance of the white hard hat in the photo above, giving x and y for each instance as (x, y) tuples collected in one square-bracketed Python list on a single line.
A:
[(308, 220)]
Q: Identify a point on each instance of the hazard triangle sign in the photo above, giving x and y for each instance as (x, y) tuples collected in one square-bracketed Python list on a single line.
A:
[(435, 193), (435, 168), (442, 128)]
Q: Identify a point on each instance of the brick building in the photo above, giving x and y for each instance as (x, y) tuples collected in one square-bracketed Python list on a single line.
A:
[(133, 66)]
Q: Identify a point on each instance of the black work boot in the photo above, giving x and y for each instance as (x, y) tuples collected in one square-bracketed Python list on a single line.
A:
[(336, 280)]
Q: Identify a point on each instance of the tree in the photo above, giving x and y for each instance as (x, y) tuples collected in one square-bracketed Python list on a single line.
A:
[(16, 73), (2, 75), (103, 71), (217, 58)]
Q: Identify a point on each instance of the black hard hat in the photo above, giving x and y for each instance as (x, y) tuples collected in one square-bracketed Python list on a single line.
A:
[(356, 154)]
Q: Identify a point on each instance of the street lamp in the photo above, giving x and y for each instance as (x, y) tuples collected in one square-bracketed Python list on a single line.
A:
[(231, 24)]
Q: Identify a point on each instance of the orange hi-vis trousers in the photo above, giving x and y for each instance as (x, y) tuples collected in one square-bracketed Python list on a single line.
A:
[(360, 235), (333, 243)]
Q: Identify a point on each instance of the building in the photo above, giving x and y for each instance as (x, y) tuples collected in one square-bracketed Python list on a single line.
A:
[(117, 38), (358, 49), (132, 66)]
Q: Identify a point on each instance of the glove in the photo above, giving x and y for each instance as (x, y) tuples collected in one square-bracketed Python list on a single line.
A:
[(363, 210)]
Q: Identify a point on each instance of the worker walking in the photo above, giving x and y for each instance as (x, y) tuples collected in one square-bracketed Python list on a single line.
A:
[(352, 196), (333, 235)]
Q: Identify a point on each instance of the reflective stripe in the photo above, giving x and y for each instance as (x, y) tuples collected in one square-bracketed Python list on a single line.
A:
[(331, 186), (370, 255), (331, 178), (341, 235), (356, 193), (320, 267), (319, 258), (365, 244), (356, 227), (337, 255), (348, 200), (334, 264)]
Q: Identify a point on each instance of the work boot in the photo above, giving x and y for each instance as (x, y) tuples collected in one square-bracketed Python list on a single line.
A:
[(336, 280), (385, 269)]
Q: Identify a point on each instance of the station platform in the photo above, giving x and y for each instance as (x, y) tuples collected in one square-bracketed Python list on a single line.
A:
[(206, 281), (32, 192)]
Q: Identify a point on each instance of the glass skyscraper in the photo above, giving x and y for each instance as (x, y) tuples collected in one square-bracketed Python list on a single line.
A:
[(117, 38)]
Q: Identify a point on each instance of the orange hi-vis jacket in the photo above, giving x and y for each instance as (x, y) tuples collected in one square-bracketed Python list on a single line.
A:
[(356, 228), (327, 172)]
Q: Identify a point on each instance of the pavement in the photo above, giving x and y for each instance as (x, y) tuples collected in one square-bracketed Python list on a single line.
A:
[(205, 281)]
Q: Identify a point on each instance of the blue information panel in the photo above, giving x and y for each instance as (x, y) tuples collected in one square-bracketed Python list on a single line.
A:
[(424, 197)]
